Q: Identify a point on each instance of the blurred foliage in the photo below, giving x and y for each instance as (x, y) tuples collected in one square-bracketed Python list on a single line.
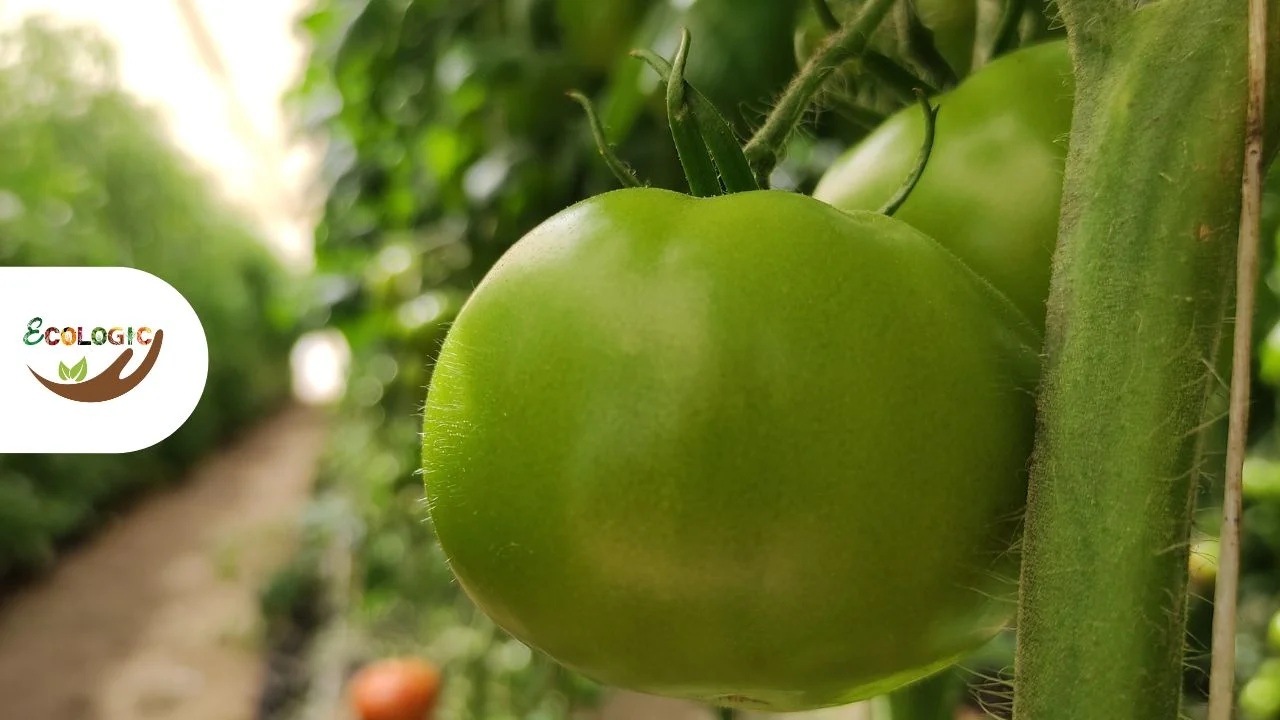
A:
[(88, 178), (450, 137)]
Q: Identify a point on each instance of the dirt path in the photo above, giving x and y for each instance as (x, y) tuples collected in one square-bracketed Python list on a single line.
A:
[(156, 619)]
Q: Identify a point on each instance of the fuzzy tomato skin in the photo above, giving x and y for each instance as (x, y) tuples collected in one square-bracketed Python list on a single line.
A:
[(749, 450)]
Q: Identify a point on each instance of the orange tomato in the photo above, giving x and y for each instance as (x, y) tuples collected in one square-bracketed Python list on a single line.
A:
[(396, 689)]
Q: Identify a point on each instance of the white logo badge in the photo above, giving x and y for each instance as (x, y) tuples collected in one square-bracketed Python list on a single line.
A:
[(95, 360)]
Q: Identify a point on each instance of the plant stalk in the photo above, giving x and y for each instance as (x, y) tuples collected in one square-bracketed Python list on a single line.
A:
[(1142, 280), (1222, 675)]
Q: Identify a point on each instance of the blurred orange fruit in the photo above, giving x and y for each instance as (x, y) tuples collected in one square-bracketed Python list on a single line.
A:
[(396, 689)]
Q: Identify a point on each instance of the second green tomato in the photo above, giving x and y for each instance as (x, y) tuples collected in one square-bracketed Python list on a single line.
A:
[(993, 186)]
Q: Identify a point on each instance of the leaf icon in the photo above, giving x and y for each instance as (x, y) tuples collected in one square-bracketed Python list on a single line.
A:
[(79, 370), (64, 372)]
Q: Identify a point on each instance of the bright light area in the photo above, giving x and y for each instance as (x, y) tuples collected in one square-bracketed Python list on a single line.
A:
[(319, 362), (222, 102), (252, 153)]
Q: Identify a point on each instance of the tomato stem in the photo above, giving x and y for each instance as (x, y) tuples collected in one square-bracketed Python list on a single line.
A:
[(726, 150), (620, 169), (899, 78), (922, 160), (1142, 283), (699, 169), (765, 148)]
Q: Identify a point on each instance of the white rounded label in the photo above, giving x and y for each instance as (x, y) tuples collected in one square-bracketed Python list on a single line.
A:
[(95, 360)]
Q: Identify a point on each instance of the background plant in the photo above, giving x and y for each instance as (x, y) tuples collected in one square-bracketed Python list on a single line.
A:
[(89, 178)]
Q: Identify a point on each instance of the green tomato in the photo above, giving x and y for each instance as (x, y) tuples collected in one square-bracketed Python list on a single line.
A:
[(1260, 696), (596, 32), (992, 189), (1203, 562), (749, 450)]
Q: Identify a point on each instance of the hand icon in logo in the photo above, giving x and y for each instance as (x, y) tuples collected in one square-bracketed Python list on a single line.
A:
[(108, 384)]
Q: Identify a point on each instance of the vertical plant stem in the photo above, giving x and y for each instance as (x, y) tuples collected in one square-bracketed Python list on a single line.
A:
[(1222, 676), (1142, 279)]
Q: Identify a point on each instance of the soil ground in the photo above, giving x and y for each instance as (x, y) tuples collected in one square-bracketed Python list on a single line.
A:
[(156, 618)]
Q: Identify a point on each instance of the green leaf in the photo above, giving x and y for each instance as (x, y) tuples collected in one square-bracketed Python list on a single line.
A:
[(64, 372), (80, 370)]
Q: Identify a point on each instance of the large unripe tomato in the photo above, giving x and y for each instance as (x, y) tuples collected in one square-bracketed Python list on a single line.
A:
[(993, 186), (749, 450)]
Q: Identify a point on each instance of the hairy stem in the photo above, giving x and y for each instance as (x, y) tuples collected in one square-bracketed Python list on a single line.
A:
[(1142, 280), (766, 146)]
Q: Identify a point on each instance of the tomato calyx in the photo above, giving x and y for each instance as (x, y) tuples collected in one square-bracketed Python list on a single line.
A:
[(714, 161), (713, 129), (700, 166)]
